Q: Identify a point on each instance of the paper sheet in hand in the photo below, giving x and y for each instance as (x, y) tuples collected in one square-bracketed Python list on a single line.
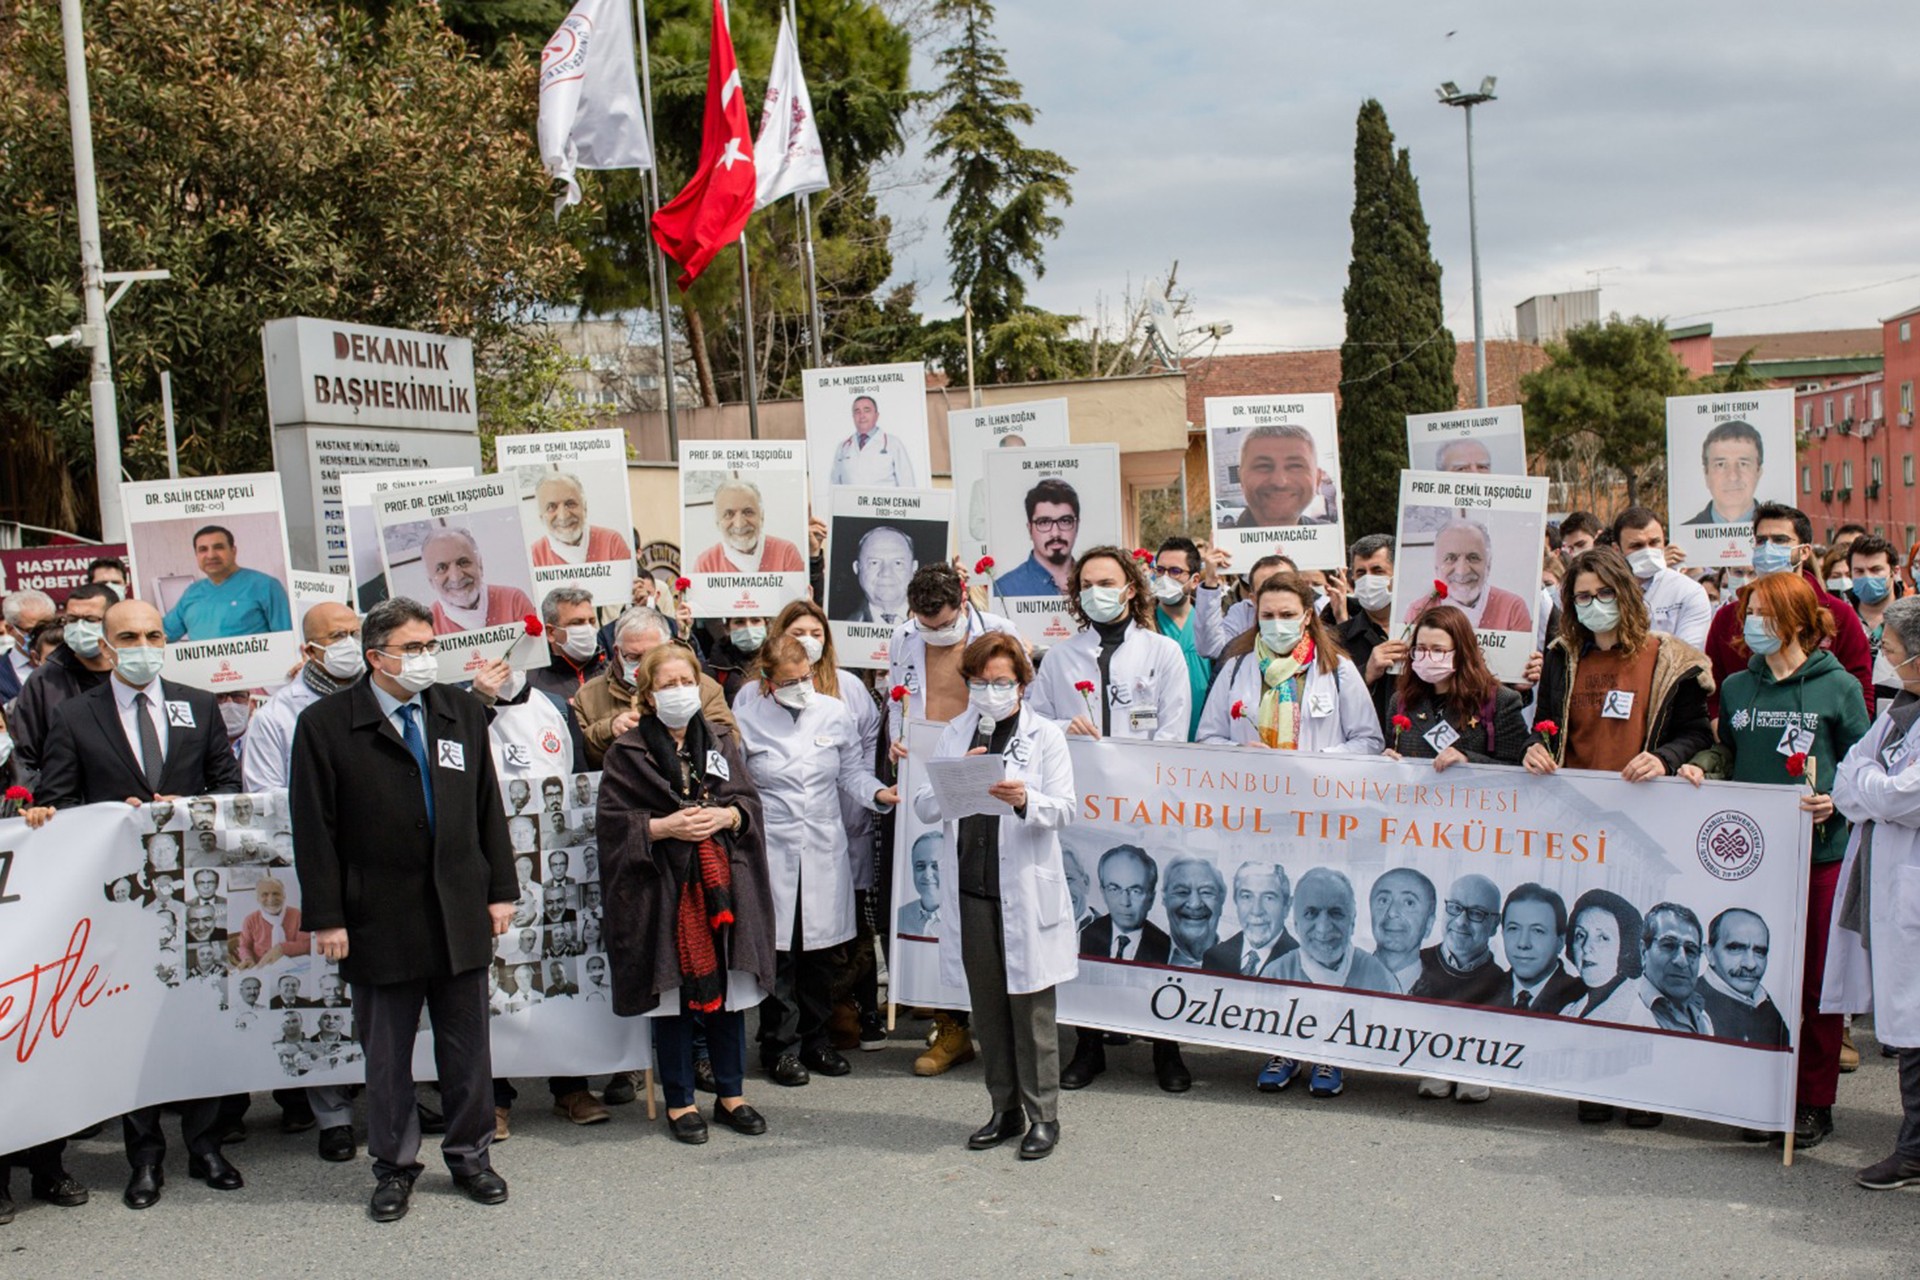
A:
[(961, 786)]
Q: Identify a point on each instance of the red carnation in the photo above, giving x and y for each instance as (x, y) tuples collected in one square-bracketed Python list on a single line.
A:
[(1142, 554), (1797, 765), (532, 624), (1547, 727), (19, 795), (1402, 724), (1439, 588), (1239, 710), (680, 585), (983, 565), (898, 693), (1084, 686)]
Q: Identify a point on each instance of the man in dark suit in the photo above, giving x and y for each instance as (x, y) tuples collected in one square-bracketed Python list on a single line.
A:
[(406, 877), (1261, 896), (138, 738), (20, 614), (76, 666), (1533, 933), (1128, 879)]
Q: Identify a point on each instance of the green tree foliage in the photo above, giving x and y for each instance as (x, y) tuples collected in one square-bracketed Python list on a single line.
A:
[(279, 159), (1397, 358)]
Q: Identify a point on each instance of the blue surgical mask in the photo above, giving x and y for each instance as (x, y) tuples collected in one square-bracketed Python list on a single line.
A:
[(1759, 636), (1870, 590), (1771, 557)]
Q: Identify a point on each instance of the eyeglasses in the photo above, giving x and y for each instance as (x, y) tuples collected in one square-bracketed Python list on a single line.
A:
[(1171, 571), (1475, 915), (790, 684), (998, 686), (422, 648), (1606, 595), (1051, 524), (1428, 651)]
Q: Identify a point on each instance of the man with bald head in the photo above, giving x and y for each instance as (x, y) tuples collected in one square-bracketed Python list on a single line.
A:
[(745, 546), (883, 564), (462, 600), (1460, 967), (1325, 913), (560, 500), (1403, 902), (330, 660)]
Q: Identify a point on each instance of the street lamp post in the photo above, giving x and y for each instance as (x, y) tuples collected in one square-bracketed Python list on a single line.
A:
[(1453, 96)]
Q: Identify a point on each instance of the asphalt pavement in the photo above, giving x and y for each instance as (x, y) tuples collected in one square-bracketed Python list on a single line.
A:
[(868, 1175)]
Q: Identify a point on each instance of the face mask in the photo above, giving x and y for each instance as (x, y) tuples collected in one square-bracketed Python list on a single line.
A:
[(139, 664), (1598, 615), (1374, 592), (119, 590), (1647, 561), (1759, 636), (1771, 557), (1735, 581), (994, 704), (629, 671), (1102, 604), (343, 659), (748, 639), (1433, 668), (794, 697), (83, 637), (417, 671), (581, 643), (676, 706), (6, 747), (1839, 586), (1167, 591), (1281, 634), (235, 716), (948, 636), (1870, 590), (812, 646), (6, 642)]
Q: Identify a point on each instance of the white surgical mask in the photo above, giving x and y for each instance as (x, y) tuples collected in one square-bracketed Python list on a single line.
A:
[(812, 646), (581, 643), (676, 706), (235, 716), (749, 638), (83, 636), (1839, 586), (6, 747), (343, 659), (417, 671), (994, 704), (139, 664), (1102, 604), (1598, 615), (1281, 634), (1167, 591), (1374, 591), (6, 642), (1647, 561), (948, 636), (794, 697)]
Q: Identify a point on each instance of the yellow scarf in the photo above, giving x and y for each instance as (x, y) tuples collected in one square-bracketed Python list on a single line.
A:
[(1278, 719)]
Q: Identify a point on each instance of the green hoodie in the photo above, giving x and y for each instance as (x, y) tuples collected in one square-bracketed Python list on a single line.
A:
[(1761, 720)]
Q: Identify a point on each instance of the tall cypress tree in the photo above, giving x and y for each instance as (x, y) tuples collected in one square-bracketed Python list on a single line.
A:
[(1398, 355)]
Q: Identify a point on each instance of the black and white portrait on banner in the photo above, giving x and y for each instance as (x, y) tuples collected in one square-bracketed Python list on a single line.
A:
[(1726, 454), (576, 509), (743, 526), (1048, 507), (1491, 441), (1275, 466), (866, 429), (877, 539), (971, 434)]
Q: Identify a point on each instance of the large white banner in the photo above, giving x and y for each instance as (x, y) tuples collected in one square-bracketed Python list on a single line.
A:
[(576, 509), (139, 962), (1726, 454), (1577, 935), (971, 435)]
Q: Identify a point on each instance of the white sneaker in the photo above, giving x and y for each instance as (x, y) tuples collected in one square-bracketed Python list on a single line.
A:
[(1432, 1088), (1472, 1093)]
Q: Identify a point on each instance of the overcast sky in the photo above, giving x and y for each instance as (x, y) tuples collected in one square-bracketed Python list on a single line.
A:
[(1706, 156)]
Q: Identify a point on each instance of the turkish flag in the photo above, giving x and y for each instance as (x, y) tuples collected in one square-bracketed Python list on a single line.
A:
[(712, 209)]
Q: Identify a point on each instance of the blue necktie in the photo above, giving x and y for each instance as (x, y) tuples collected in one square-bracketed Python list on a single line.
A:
[(410, 716)]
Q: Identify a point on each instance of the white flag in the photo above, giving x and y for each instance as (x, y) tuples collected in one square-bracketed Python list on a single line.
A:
[(787, 155), (590, 115)]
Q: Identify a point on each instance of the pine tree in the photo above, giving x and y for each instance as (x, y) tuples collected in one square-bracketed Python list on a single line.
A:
[(1003, 191), (1398, 356)]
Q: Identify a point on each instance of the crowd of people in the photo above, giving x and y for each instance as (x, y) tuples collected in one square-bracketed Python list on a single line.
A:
[(744, 843)]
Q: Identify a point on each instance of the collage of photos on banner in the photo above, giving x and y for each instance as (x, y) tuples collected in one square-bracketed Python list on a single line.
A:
[(554, 948), (218, 878)]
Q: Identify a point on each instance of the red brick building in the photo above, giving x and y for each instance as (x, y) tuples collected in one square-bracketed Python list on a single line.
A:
[(1857, 461)]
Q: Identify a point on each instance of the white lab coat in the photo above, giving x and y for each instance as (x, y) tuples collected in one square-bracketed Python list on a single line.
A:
[(1149, 675), (530, 739), (802, 765), (1679, 606), (1336, 713), (883, 464), (907, 654), (1036, 911), (1887, 984), (266, 757), (858, 817)]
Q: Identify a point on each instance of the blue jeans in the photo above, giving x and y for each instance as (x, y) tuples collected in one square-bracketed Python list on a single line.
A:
[(673, 1041)]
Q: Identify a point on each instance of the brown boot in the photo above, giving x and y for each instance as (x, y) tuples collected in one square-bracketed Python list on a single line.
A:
[(581, 1107), (952, 1046), (843, 1028), (1849, 1056)]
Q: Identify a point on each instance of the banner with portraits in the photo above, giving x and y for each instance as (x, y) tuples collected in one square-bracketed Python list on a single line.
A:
[(576, 510), (743, 526), (1275, 466), (971, 434), (153, 954), (1490, 441), (1480, 925), (1046, 508), (876, 540), (1483, 537), (1726, 454), (457, 548), (358, 489), (866, 429), (210, 553)]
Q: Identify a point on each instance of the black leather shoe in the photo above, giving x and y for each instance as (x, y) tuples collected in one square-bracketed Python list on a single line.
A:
[(66, 1191), (1039, 1142), (297, 1119), (214, 1170), (1170, 1070), (703, 1078), (390, 1199), (431, 1121), (688, 1128), (336, 1143), (143, 1188), (786, 1070), (1002, 1125), (1089, 1060), (825, 1060), (484, 1187), (7, 1209), (742, 1119), (621, 1089)]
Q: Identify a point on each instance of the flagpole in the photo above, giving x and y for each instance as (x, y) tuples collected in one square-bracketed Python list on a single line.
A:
[(656, 258), (806, 236), (749, 374)]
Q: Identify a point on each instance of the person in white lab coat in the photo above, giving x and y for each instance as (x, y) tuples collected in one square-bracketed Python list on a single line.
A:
[(1677, 603), (1286, 684), (803, 752), (1873, 947), (1003, 878), (870, 457), (1118, 677), (1214, 621)]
